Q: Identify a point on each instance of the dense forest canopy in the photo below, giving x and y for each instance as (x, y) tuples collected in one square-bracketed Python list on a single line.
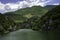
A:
[(51, 19), (5, 23)]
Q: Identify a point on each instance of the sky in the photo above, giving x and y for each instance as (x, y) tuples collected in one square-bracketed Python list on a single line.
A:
[(13, 5)]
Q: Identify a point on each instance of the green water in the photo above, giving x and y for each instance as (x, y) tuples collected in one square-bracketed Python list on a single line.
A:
[(28, 34)]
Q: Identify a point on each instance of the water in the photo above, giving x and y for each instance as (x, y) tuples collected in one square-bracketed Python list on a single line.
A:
[(28, 34), (24, 34)]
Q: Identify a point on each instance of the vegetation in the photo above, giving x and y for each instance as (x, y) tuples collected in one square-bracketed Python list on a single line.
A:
[(50, 20), (6, 24), (36, 18), (26, 13)]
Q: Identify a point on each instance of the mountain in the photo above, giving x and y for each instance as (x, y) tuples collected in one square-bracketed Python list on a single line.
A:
[(36, 18), (5, 23), (50, 7), (51, 20), (26, 13)]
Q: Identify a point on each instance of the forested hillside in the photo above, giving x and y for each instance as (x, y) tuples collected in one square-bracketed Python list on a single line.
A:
[(51, 20), (6, 24), (48, 22), (36, 18), (26, 13)]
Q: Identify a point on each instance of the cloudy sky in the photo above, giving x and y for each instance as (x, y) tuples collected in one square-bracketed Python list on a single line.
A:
[(12, 5)]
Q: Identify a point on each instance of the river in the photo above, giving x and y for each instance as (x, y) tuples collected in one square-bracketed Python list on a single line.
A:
[(28, 34)]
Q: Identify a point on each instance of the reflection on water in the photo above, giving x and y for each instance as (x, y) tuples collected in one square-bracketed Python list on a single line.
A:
[(24, 34), (28, 34)]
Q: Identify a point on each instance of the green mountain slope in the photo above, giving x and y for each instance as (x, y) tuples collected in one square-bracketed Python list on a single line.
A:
[(48, 22), (51, 20), (26, 13), (5, 23), (36, 18), (50, 7)]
